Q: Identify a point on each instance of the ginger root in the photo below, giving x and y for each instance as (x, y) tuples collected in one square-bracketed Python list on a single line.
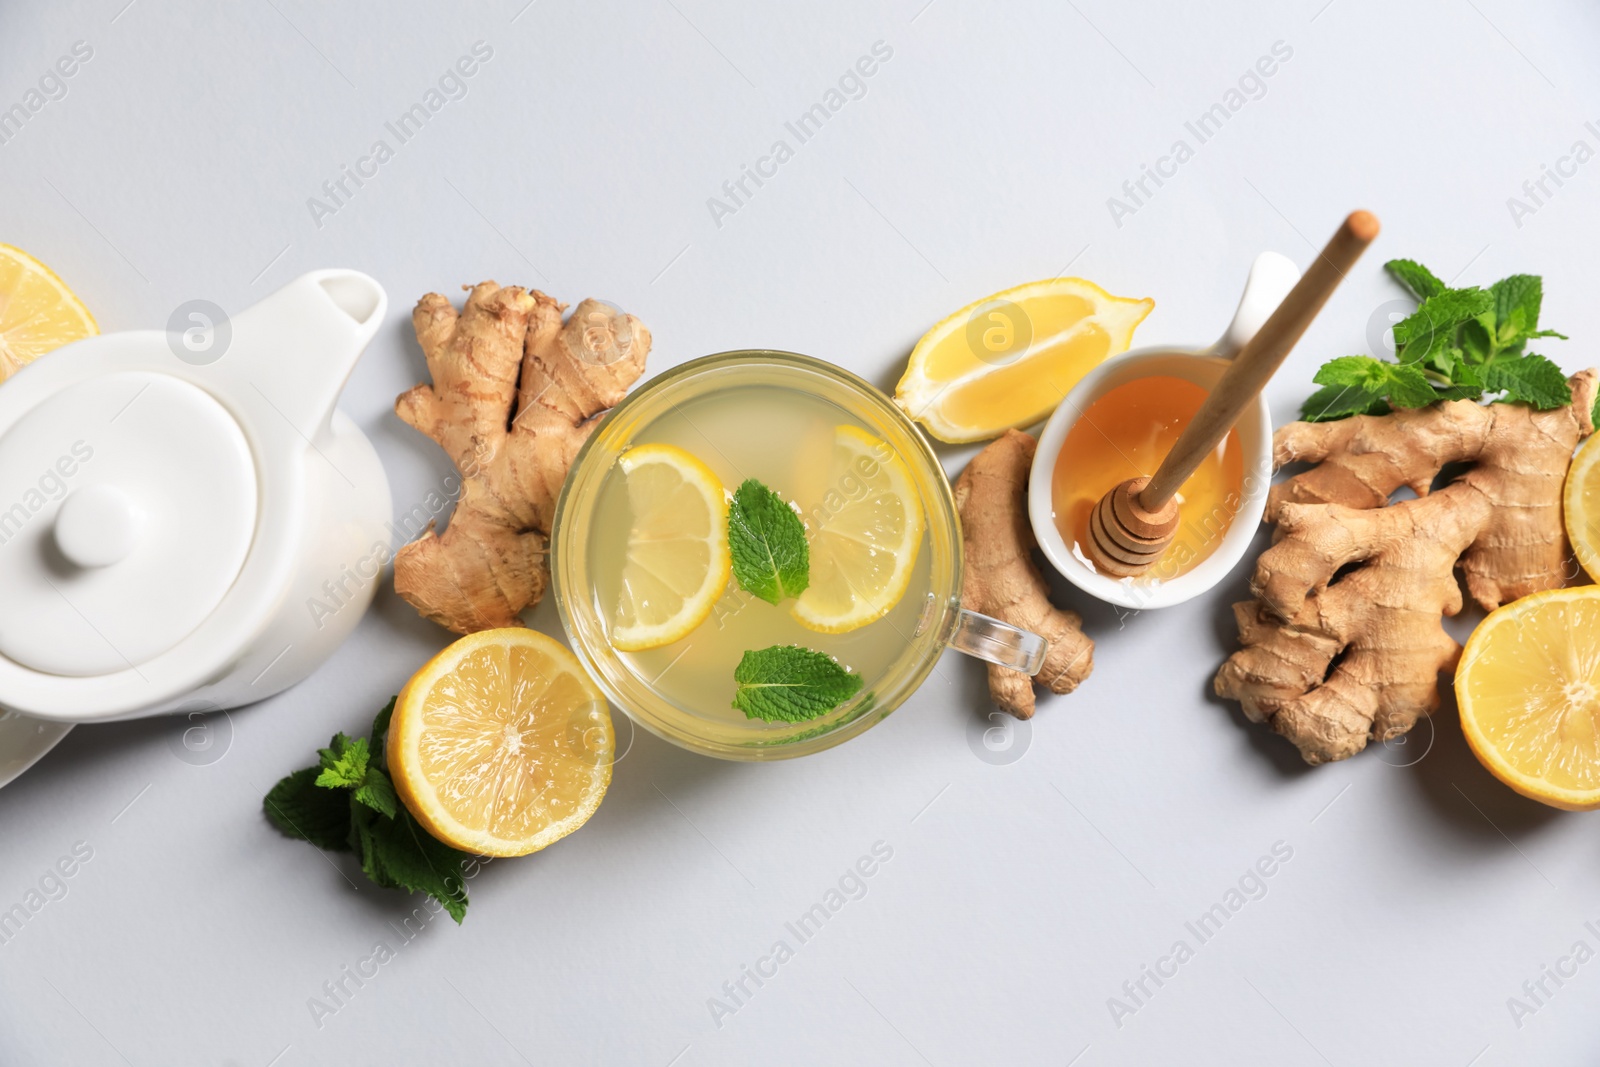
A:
[(515, 393), (1002, 580), (1344, 642)]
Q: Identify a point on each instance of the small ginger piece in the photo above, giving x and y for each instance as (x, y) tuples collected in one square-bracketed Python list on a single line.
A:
[(515, 393), (1344, 642), (1002, 580)]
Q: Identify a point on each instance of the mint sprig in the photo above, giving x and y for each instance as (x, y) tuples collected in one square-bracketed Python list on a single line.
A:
[(346, 803), (1460, 344), (767, 543), (787, 683)]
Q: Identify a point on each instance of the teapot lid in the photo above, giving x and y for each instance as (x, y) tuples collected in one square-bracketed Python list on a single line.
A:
[(128, 502)]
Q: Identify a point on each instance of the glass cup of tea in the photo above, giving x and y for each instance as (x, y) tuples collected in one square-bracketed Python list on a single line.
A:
[(818, 436)]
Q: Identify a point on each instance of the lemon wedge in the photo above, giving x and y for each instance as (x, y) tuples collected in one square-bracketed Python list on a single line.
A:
[(501, 744), (676, 564), (1007, 360), (863, 542), (1529, 690), (38, 313)]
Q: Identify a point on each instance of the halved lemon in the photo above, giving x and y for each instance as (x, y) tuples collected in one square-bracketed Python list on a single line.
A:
[(1007, 360), (1580, 502), (1529, 690), (501, 744), (38, 313), (864, 536), (676, 564)]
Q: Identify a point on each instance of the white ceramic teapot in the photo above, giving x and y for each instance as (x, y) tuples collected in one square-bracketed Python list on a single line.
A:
[(185, 519)]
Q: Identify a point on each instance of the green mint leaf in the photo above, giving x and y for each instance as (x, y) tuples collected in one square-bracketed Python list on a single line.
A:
[(299, 809), (1362, 372), (1510, 330), (1531, 379), (1594, 411), (767, 541), (1477, 339), (1547, 333), (1341, 401), (377, 793), (1404, 384), (399, 854), (380, 731), (1444, 361), (787, 683), (1516, 304), (1432, 325), (363, 821), (344, 762), (1357, 385), (1419, 280), (1408, 387), (1466, 384)]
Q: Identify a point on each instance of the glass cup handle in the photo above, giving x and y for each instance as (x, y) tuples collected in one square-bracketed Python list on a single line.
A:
[(999, 642)]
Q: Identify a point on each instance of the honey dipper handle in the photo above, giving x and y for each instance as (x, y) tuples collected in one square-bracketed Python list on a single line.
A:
[(1260, 359)]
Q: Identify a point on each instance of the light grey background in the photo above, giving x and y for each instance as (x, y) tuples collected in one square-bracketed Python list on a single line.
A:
[(1420, 895)]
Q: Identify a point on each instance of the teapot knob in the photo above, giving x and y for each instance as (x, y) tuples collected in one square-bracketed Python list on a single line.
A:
[(98, 525)]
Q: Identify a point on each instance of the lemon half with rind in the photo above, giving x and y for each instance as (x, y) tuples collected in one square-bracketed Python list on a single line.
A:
[(1007, 360), (863, 542), (501, 745), (676, 563), (38, 313), (1528, 686)]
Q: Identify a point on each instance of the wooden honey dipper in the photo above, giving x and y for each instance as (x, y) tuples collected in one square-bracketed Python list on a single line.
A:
[(1133, 524)]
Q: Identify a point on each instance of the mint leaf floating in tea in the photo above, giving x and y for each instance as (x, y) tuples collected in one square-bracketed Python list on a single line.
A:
[(1460, 344), (767, 541), (347, 803), (787, 683)]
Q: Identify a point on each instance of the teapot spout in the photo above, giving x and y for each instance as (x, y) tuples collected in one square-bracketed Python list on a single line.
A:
[(297, 347)]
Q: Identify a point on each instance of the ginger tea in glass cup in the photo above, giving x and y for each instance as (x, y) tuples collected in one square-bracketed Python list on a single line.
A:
[(826, 441)]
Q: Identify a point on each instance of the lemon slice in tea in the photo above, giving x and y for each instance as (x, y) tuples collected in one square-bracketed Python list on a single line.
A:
[(676, 563), (863, 550)]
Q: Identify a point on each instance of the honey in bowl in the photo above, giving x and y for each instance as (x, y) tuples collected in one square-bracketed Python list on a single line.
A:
[(1126, 434)]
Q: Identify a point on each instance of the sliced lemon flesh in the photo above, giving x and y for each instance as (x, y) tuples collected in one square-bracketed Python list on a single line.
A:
[(1529, 691), (38, 313), (676, 563), (1007, 360), (501, 744), (864, 536), (1581, 506)]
